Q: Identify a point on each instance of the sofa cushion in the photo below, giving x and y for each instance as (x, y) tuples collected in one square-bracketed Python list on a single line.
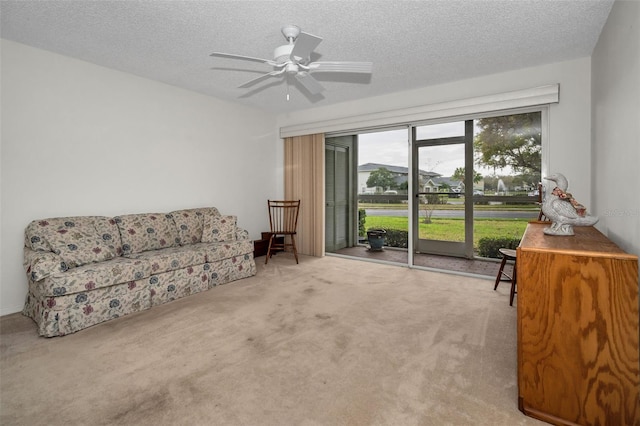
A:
[(231, 269), (84, 298), (216, 252), (189, 223), (146, 231), (217, 229), (39, 233), (172, 258), (93, 275), (180, 283), (80, 246)]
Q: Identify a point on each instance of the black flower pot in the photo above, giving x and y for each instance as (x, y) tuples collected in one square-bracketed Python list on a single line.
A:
[(376, 238)]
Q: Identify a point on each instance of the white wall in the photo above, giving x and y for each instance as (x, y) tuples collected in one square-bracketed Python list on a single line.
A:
[(79, 139), (616, 126), (569, 120)]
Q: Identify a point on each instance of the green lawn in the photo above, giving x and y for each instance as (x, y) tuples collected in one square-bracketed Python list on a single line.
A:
[(453, 229)]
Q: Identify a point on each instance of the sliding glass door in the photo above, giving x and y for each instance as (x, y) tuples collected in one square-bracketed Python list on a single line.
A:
[(339, 190), (442, 209), (448, 188)]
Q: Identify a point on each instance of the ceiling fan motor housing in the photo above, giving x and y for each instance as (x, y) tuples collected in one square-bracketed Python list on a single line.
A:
[(282, 54)]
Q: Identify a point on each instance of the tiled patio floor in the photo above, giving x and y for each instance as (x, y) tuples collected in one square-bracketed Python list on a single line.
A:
[(484, 268)]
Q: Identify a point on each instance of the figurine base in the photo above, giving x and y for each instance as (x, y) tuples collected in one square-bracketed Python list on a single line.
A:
[(559, 229)]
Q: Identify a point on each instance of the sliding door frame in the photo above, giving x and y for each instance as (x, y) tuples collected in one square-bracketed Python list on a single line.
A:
[(447, 248), (401, 124)]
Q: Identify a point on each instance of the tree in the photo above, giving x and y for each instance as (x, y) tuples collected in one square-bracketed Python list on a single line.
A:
[(459, 175), (445, 187), (428, 204), (510, 140), (382, 178)]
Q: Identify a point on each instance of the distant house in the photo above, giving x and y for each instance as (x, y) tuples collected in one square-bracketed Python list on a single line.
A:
[(399, 173), (450, 184), (429, 181), (443, 184)]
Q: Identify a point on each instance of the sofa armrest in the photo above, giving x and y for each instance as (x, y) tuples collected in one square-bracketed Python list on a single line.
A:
[(39, 264), (242, 234)]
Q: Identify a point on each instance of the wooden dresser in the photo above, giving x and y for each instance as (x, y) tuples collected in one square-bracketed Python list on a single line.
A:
[(578, 333)]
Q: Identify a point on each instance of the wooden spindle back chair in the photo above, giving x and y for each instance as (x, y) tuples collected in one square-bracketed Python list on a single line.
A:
[(510, 254), (541, 216), (283, 220)]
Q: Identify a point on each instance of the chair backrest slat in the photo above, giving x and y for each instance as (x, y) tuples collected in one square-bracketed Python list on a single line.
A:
[(283, 216)]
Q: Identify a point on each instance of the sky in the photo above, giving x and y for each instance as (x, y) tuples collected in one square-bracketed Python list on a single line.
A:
[(392, 147)]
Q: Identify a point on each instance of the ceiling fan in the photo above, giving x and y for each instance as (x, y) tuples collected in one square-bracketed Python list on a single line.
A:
[(293, 59)]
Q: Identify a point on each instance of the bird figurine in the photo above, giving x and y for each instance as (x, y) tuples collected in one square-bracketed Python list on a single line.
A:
[(563, 210)]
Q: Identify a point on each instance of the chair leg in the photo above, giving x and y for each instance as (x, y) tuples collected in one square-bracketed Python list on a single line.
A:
[(513, 285), (499, 277), (295, 250), (269, 249)]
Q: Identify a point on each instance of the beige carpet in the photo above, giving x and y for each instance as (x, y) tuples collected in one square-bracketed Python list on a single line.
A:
[(328, 342)]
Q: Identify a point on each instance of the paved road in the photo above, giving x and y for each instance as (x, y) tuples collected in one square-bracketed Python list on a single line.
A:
[(532, 214)]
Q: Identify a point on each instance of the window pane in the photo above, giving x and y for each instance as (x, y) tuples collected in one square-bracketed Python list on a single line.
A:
[(507, 166), (383, 173), (442, 130)]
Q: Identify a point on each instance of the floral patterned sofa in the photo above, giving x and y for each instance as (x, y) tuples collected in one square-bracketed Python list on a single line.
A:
[(89, 269)]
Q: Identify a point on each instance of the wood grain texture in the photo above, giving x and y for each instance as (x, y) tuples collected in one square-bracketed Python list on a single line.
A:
[(578, 332)]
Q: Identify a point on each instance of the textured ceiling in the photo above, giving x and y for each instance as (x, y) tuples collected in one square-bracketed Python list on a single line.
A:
[(411, 43)]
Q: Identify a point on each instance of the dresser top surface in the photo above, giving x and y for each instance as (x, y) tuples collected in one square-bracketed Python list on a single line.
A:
[(586, 241)]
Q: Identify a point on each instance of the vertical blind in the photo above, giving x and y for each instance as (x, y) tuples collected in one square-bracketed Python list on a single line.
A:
[(304, 181)]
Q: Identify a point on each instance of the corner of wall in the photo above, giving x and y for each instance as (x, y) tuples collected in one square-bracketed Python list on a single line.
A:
[(615, 90)]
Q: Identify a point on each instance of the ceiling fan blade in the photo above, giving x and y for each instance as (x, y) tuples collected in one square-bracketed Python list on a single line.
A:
[(262, 77), (352, 67), (247, 58), (309, 83), (305, 44)]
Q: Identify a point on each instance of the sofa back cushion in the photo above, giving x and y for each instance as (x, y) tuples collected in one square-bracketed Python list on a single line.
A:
[(190, 222), (146, 231), (219, 229), (78, 240)]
